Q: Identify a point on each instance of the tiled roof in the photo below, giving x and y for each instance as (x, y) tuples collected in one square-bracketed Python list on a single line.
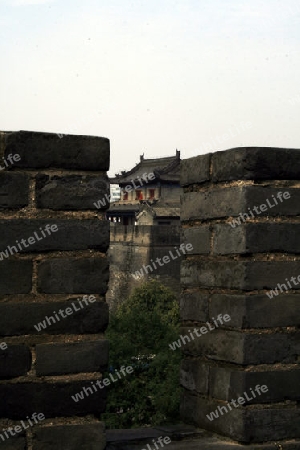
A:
[(167, 169)]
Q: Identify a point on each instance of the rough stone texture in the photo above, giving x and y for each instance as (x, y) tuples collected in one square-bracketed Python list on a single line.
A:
[(257, 311), (184, 438), (15, 361), (71, 234), (231, 201), (259, 163), (56, 346), (194, 306), (72, 192), (14, 190), (257, 238), (194, 375), (73, 276), (241, 348), (227, 384), (15, 277), (70, 437), (195, 170), (237, 274), (18, 319), (13, 443), (48, 150), (199, 237), (53, 399), (251, 274), (60, 359), (243, 424)]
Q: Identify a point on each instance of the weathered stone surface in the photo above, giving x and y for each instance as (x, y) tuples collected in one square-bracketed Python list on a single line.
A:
[(71, 234), (73, 276), (70, 437), (231, 201), (194, 375), (242, 424), (257, 238), (237, 274), (15, 361), (194, 306), (62, 359), (48, 150), (72, 192), (256, 163), (53, 399), (13, 443), (199, 237), (257, 311), (195, 170), (227, 384), (15, 277), (14, 190), (20, 318), (242, 348)]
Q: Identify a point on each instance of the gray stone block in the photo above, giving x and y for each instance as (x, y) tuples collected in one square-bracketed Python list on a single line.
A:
[(72, 192), (256, 163), (195, 170), (48, 150), (63, 359), (73, 276)]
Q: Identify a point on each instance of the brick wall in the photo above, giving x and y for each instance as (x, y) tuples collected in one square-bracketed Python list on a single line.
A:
[(54, 181), (230, 272)]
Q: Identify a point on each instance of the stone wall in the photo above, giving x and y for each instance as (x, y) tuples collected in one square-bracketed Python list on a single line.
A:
[(54, 265), (131, 248), (231, 272)]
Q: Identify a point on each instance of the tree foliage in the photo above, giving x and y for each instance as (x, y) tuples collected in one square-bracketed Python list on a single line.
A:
[(140, 332)]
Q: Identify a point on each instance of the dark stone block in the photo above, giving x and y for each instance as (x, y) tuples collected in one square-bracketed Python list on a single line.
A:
[(70, 235), (257, 238), (15, 277), (199, 237), (256, 163), (237, 274), (227, 384), (13, 443), (195, 170), (72, 192), (242, 424), (194, 306), (231, 201), (73, 276), (14, 190), (242, 348), (63, 359), (70, 437), (53, 399), (15, 361), (257, 311), (194, 375), (48, 150), (18, 319)]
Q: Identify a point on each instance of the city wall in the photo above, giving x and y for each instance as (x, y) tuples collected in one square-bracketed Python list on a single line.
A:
[(232, 271), (53, 182)]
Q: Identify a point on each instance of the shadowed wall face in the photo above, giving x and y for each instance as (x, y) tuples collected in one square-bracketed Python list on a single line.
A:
[(53, 279), (240, 306)]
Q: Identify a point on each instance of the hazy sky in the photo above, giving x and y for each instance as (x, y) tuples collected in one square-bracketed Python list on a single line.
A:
[(153, 75)]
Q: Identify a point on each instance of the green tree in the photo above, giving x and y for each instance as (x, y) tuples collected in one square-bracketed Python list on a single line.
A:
[(140, 332)]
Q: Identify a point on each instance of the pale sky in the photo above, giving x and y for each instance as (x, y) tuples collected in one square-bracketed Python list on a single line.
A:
[(153, 76)]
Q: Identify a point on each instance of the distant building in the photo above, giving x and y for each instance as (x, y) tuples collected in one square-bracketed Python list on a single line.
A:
[(150, 193), (115, 193)]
